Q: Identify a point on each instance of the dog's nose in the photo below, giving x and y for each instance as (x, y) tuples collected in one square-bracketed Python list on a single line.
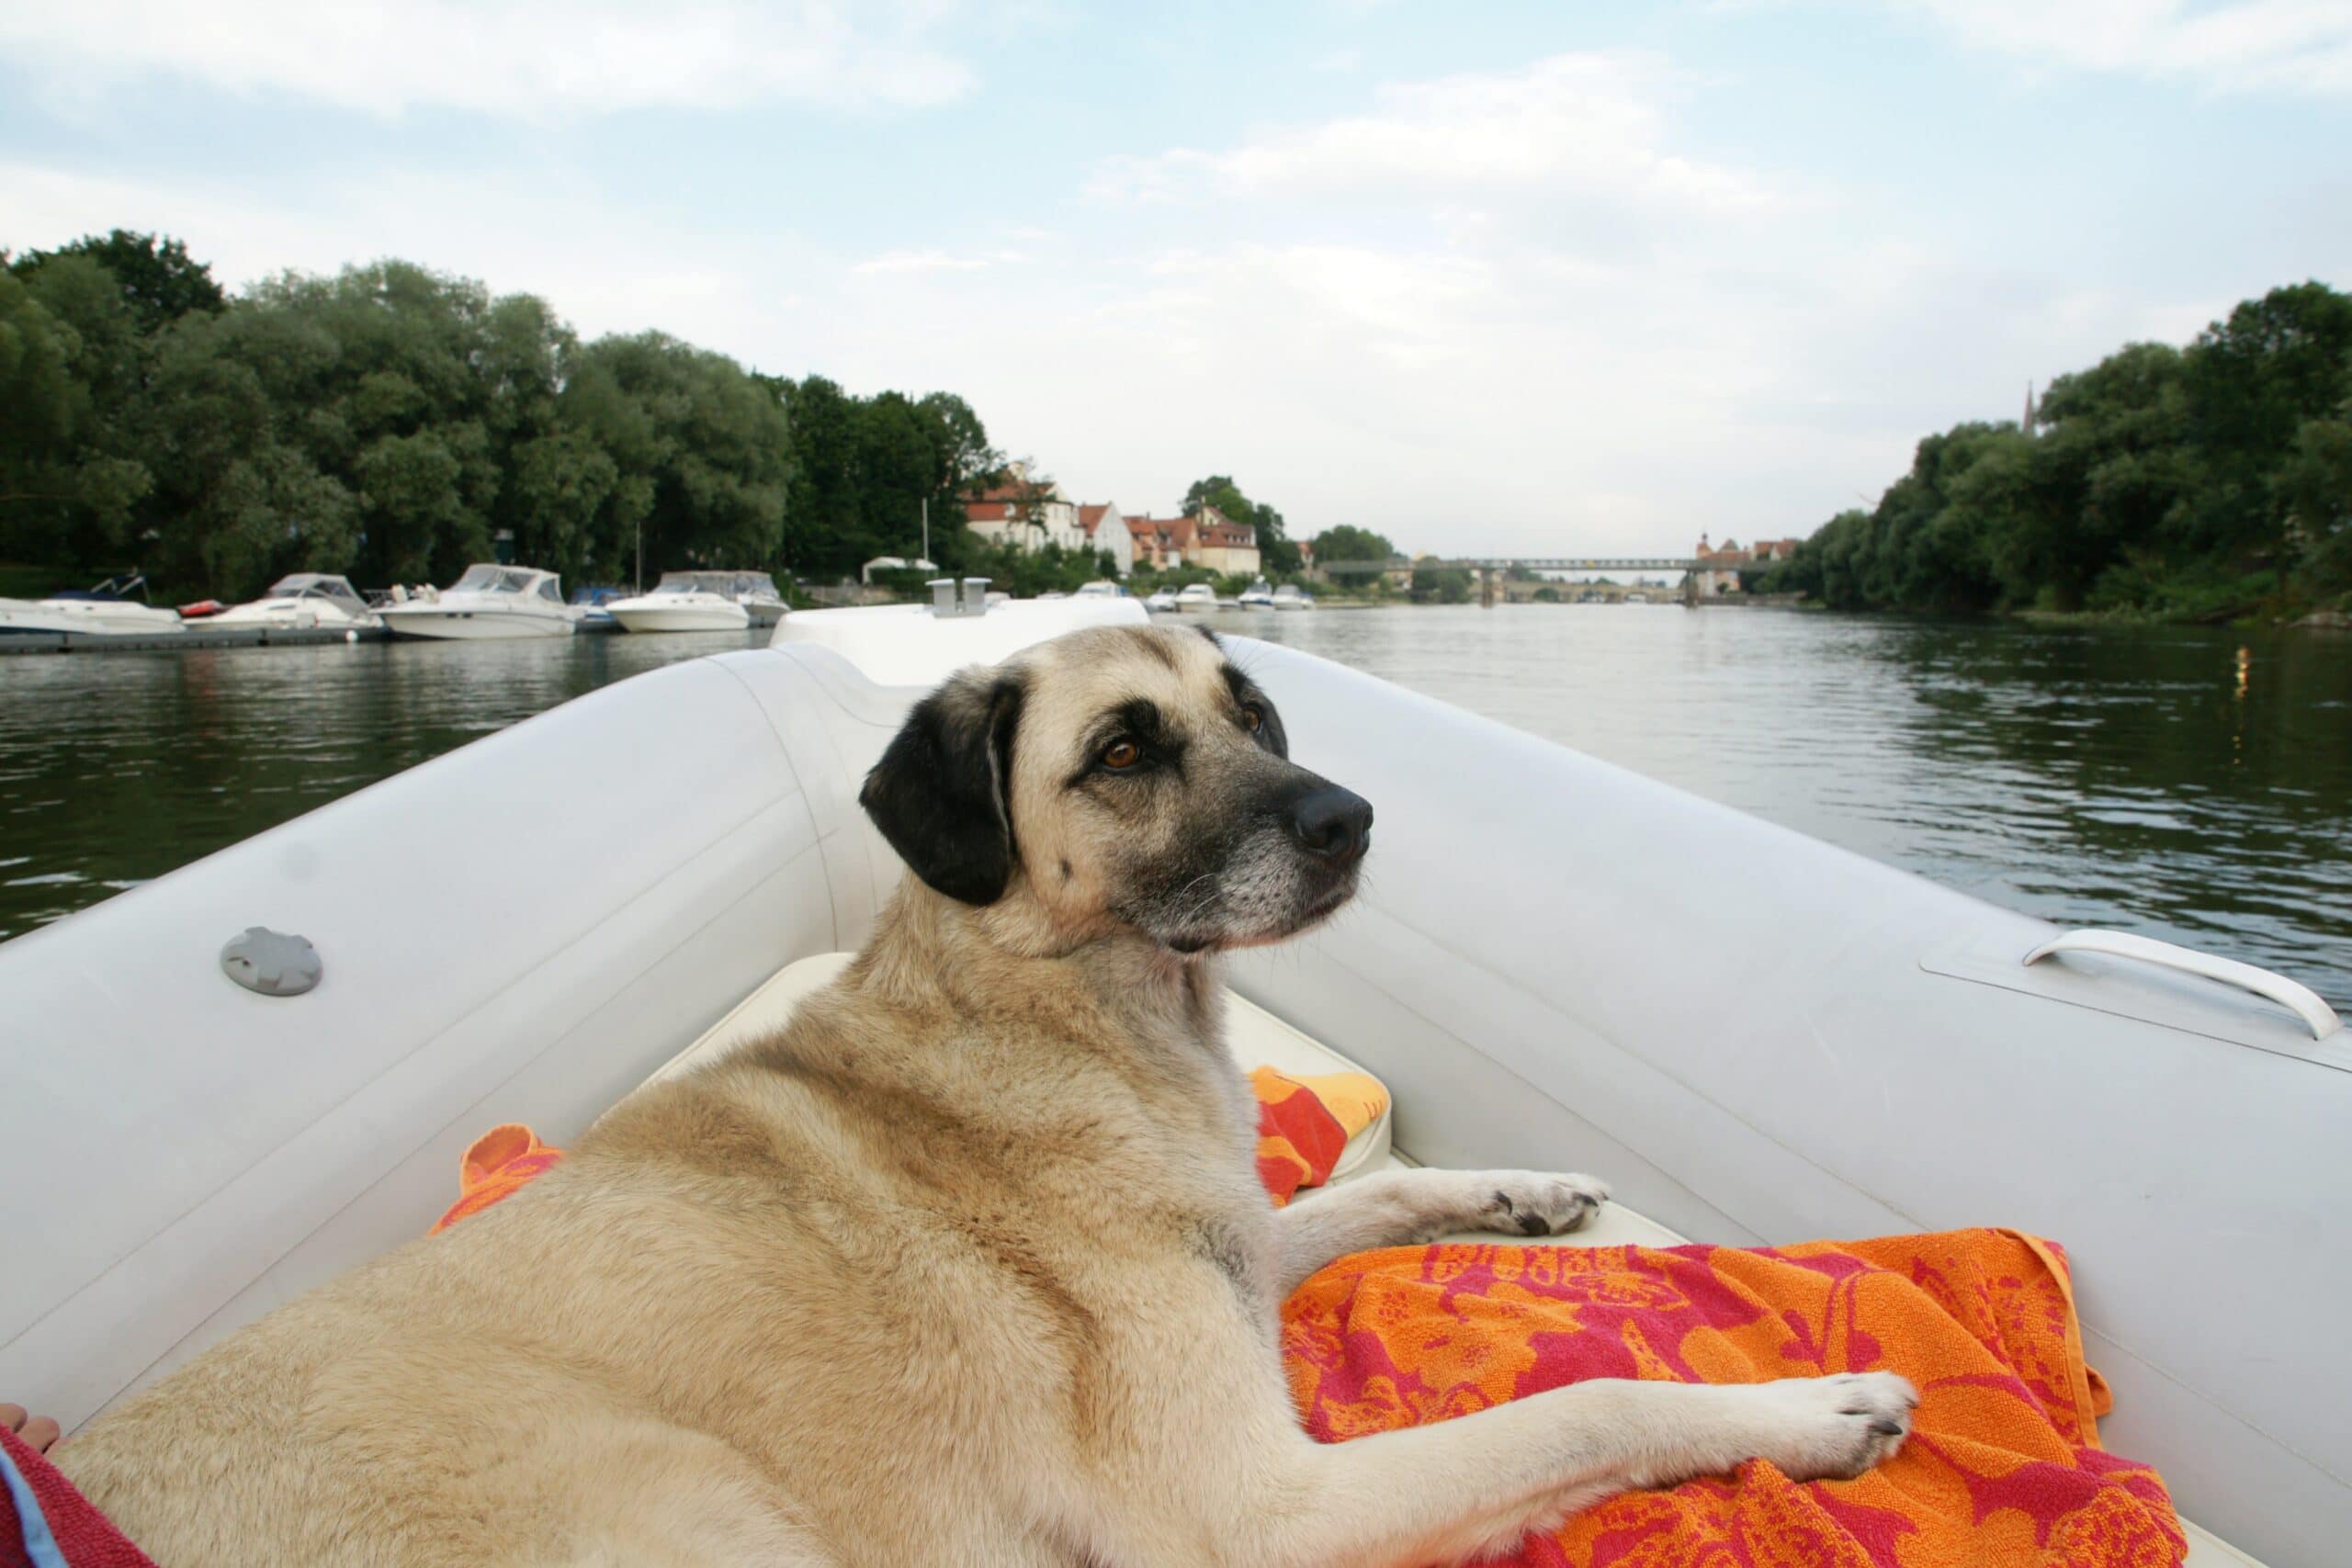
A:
[(1333, 824)]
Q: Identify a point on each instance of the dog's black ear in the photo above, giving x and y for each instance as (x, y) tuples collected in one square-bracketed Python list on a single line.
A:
[(942, 792)]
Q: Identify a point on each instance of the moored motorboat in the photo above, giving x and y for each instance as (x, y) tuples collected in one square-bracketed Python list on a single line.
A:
[(490, 602), (756, 592), (592, 606), (699, 601), (1258, 595), (1199, 599), (303, 599), (105, 609), (1758, 1038), (1290, 596), (1161, 601), (683, 601)]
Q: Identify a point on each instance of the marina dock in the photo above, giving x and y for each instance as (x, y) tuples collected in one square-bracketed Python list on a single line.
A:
[(193, 635)]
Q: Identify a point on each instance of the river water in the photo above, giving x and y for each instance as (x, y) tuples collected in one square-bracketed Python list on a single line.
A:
[(2190, 783)]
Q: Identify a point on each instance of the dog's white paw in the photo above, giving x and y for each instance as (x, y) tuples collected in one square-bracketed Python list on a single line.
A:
[(1833, 1429), (1534, 1202)]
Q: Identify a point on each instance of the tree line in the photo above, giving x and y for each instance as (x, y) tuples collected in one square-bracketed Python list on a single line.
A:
[(394, 424), (2200, 483)]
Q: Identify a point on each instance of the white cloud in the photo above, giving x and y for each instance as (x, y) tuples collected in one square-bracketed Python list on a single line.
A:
[(934, 261), (1573, 125), (527, 59), (2298, 45), (1519, 312)]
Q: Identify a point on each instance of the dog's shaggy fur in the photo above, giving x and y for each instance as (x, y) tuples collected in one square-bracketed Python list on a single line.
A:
[(968, 1265)]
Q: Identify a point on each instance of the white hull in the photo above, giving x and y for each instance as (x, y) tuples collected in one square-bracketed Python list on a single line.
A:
[(698, 618), (281, 615), (86, 617), (444, 622), (1758, 1038)]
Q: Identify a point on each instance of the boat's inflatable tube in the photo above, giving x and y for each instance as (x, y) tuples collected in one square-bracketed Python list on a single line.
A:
[(1554, 963)]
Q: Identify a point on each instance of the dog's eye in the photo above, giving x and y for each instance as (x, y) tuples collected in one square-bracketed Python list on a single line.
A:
[(1120, 755), (1253, 718)]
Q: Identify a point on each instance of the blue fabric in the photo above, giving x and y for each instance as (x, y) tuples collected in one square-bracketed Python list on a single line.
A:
[(41, 1546)]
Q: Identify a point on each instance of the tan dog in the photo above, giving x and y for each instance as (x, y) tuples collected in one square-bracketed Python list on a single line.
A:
[(968, 1265)]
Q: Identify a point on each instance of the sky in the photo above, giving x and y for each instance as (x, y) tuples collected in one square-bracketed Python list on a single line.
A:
[(1485, 278)]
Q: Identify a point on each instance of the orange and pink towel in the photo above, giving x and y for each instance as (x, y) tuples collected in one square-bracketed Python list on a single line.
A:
[(496, 1166), (2004, 1466)]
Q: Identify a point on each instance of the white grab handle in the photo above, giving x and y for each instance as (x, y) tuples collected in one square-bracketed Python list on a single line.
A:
[(2298, 1000)]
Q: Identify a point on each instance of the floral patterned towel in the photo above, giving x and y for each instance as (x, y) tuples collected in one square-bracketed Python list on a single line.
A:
[(2002, 1467)]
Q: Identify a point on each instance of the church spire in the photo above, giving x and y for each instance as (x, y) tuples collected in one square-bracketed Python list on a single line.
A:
[(2027, 422)]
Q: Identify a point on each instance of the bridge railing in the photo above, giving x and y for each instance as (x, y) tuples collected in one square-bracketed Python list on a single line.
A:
[(1541, 563)]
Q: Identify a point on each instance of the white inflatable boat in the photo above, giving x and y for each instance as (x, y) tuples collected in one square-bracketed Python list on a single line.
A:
[(1556, 963)]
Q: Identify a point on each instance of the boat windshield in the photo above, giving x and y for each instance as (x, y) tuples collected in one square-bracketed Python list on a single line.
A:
[(494, 580), (737, 585), (302, 584)]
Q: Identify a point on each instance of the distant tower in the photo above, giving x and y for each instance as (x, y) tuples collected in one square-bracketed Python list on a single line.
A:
[(2027, 423)]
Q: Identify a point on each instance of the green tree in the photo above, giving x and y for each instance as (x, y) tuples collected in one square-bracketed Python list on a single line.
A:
[(69, 373), (711, 446), (2191, 482), (158, 279), (1275, 551), (2315, 485), (1347, 542), (1441, 585)]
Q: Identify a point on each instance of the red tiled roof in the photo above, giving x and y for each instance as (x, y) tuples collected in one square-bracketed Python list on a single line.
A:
[(1175, 530), (988, 511), (1229, 536), (1009, 492)]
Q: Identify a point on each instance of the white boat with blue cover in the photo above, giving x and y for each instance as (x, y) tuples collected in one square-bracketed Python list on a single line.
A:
[(105, 609), (1555, 963)]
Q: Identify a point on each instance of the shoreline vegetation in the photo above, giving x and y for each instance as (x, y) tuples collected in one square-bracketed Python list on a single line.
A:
[(394, 424), (2207, 483)]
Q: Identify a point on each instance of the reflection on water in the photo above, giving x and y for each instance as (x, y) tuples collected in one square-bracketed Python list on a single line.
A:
[(2190, 783), (116, 768)]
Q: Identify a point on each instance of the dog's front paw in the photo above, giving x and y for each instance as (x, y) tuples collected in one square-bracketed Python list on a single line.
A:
[(1533, 1202), (1833, 1429)]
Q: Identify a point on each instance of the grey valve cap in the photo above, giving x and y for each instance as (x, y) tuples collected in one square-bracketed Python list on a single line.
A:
[(275, 964)]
